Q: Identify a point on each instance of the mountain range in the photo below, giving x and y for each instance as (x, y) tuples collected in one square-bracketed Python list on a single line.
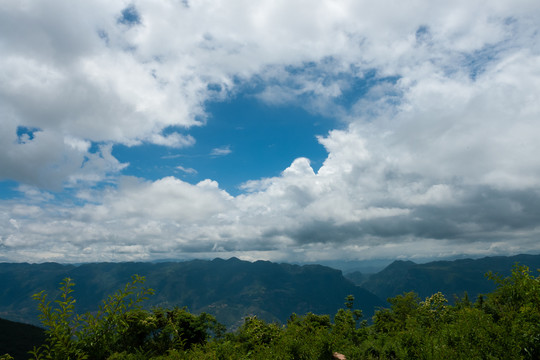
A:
[(452, 278), (233, 289), (228, 289)]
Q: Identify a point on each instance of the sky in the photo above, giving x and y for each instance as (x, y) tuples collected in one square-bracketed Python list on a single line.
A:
[(290, 131)]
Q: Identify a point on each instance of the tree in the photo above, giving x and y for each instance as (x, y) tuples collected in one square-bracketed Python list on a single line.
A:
[(95, 336), (515, 305)]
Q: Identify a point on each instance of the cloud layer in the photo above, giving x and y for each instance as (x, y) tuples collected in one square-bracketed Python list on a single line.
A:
[(436, 156)]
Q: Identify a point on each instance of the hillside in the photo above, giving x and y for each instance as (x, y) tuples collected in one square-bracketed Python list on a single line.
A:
[(17, 339), (229, 289), (232, 289), (503, 325), (449, 277)]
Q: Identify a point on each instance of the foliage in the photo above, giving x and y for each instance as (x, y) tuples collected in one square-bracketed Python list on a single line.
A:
[(120, 324), (504, 324), (515, 305), (158, 331), (61, 324)]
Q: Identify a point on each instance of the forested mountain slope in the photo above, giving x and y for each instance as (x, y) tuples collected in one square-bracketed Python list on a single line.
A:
[(449, 277), (504, 324), (232, 289), (228, 289)]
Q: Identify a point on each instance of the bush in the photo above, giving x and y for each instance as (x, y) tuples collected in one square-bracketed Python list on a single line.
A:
[(503, 324)]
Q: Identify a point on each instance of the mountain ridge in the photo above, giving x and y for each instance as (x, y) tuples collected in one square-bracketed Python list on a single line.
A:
[(232, 289), (228, 289), (451, 277)]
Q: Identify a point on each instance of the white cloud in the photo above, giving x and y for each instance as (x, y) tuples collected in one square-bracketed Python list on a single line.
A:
[(441, 151), (221, 151), (187, 170), (173, 140), (110, 82), (34, 194), (166, 199), (50, 160)]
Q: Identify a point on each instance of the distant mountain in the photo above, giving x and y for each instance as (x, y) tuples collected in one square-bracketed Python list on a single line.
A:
[(363, 266), (232, 289), (449, 277), (19, 281), (229, 289), (18, 339), (357, 277)]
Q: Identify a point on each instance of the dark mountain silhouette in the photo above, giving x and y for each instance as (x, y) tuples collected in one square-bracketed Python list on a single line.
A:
[(17, 339), (229, 289), (232, 289), (449, 277)]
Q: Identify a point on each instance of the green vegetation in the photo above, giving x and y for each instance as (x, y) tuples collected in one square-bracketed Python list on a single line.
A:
[(504, 324), (229, 289)]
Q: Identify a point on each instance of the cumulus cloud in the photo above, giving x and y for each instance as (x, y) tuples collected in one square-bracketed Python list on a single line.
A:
[(116, 80), (438, 149), (49, 160)]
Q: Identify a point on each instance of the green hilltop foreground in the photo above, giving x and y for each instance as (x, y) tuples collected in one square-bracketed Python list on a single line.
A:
[(90, 314), (504, 324)]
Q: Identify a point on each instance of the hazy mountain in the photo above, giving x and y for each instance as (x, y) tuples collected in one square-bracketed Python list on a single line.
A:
[(232, 289), (449, 277), (229, 289)]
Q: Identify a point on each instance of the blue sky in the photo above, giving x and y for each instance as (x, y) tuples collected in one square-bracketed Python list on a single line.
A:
[(279, 130), (243, 139)]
